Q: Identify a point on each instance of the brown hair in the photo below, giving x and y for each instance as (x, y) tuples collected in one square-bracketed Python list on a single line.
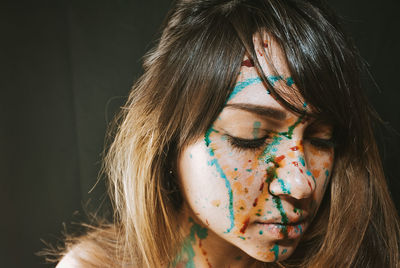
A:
[(187, 80)]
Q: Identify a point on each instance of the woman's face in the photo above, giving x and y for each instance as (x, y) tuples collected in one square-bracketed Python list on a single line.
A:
[(257, 177)]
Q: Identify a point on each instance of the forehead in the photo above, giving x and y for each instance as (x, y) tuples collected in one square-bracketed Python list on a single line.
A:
[(250, 89)]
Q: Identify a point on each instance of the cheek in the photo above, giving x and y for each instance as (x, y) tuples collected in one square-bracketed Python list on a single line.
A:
[(206, 187), (221, 186), (319, 164)]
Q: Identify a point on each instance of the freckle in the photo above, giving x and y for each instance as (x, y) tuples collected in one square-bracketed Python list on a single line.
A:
[(312, 162), (261, 186), (326, 164), (249, 161), (246, 190)]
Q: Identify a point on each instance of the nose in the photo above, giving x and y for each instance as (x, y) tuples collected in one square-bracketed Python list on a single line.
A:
[(290, 176)]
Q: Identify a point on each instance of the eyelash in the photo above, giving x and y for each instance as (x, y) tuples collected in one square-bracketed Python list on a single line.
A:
[(322, 143), (254, 144), (247, 144)]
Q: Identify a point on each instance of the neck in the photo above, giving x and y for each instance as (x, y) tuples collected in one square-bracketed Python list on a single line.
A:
[(201, 247)]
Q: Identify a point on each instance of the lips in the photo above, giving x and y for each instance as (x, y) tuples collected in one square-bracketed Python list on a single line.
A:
[(278, 229)]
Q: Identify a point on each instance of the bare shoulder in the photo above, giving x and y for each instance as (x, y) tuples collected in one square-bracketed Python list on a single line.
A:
[(69, 260), (97, 248)]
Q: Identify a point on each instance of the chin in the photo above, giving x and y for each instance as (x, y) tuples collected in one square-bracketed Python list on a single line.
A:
[(271, 253)]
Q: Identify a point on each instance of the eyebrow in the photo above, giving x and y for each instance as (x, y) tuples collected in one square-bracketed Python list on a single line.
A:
[(260, 110)]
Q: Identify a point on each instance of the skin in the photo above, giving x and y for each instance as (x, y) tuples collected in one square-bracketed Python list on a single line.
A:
[(246, 203)]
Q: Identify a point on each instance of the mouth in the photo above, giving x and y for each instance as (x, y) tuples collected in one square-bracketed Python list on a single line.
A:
[(280, 230)]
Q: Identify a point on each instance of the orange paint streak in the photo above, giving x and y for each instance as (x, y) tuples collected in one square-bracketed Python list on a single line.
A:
[(245, 225), (316, 172), (249, 180), (238, 188), (255, 202), (261, 187), (327, 165), (279, 158)]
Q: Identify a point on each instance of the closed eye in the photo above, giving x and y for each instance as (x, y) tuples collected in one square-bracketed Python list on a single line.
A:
[(250, 144), (322, 143)]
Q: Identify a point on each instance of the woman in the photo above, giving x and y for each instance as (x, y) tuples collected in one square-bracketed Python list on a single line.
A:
[(247, 143)]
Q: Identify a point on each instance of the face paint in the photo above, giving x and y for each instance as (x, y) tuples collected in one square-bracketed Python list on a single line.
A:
[(256, 178)]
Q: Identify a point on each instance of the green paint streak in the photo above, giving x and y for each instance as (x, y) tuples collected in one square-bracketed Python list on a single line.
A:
[(303, 163), (207, 135), (256, 129), (243, 238), (187, 247), (274, 78), (288, 134), (284, 186), (289, 81), (275, 250), (214, 162), (284, 217), (243, 84)]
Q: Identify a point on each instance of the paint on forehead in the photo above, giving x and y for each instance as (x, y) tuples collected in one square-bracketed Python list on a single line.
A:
[(243, 84), (248, 63)]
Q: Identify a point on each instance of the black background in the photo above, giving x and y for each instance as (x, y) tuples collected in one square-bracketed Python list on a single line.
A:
[(66, 67)]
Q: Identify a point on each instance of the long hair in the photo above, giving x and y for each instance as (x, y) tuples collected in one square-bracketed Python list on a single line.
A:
[(187, 79)]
